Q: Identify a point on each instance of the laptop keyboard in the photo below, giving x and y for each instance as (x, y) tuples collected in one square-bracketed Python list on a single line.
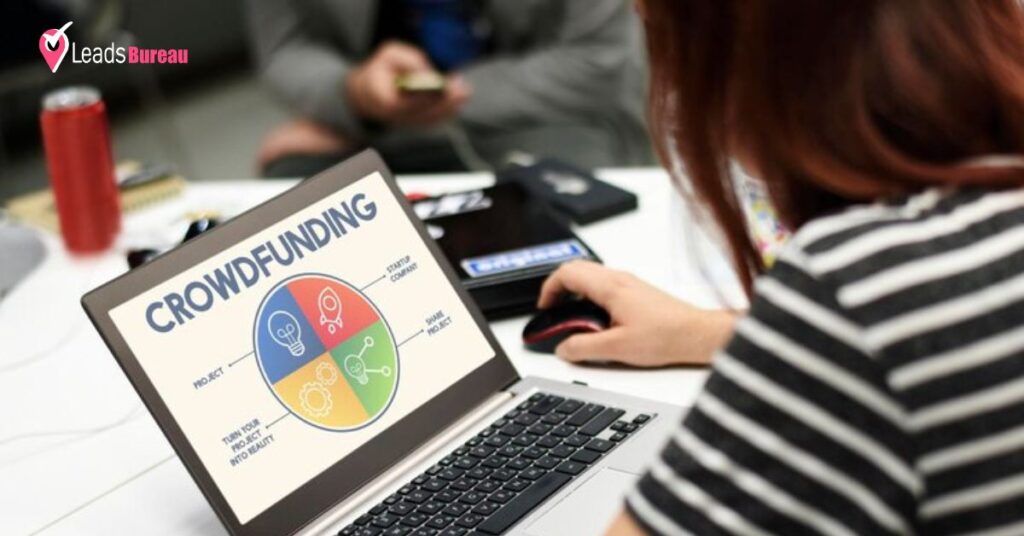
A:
[(504, 472)]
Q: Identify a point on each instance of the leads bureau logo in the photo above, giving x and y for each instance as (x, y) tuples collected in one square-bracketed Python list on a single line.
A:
[(521, 259), (54, 45), (326, 352)]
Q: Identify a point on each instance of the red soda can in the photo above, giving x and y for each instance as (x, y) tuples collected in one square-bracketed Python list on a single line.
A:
[(76, 136)]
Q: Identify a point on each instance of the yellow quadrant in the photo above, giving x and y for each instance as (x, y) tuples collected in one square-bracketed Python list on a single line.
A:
[(329, 401)]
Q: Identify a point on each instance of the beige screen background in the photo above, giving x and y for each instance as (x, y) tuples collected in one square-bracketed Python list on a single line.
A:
[(298, 451)]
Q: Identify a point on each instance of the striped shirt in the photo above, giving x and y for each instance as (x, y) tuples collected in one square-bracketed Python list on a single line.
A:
[(875, 387)]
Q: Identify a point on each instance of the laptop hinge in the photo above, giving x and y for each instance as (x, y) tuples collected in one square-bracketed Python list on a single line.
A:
[(508, 386)]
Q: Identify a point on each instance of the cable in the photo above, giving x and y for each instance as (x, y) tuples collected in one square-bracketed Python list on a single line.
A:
[(464, 149), (699, 254), (52, 350), (156, 101), (42, 354), (40, 450), (95, 499), (691, 237), (83, 431)]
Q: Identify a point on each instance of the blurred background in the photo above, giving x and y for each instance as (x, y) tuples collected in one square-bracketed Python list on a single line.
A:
[(208, 119)]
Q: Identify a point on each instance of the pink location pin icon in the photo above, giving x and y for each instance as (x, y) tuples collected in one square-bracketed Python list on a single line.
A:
[(53, 45)]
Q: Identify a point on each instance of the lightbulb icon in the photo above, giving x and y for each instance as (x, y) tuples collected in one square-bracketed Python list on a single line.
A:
[(285, 330)]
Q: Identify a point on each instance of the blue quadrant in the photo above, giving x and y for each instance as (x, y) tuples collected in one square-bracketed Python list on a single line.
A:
[(282, 314)]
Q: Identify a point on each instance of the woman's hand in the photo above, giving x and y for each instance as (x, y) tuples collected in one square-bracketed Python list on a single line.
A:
[(649, 328)]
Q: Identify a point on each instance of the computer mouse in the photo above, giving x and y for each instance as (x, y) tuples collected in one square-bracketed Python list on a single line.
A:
[(549, 327)]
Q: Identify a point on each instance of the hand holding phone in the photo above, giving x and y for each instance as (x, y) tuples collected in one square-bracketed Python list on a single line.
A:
[(398, 86), (422, 83)]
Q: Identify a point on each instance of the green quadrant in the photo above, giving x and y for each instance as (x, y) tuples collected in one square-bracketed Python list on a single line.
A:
[(376, 392)]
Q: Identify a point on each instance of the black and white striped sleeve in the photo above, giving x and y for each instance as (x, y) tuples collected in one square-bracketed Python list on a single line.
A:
[(795, 433)]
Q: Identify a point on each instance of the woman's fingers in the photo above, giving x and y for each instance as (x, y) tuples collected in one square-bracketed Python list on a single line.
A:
[(608, 345), (588, 279)]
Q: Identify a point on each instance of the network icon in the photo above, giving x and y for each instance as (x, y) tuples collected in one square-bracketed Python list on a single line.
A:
[(355, 366)]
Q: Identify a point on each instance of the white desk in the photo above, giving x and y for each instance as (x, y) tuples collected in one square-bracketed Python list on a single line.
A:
[(80, 455)]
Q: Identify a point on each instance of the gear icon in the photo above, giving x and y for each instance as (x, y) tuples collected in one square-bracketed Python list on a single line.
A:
[(315, 399), (326, 374)]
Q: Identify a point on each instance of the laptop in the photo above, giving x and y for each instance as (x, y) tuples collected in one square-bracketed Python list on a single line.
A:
[(318, 369)]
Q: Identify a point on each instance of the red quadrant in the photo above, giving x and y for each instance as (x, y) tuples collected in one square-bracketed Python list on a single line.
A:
[(356, 312)]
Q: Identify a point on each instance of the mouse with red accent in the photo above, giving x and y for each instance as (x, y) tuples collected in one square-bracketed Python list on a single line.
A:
[(549, 327)]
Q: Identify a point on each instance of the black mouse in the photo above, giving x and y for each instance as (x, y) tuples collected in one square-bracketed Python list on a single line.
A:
[(549, 327)]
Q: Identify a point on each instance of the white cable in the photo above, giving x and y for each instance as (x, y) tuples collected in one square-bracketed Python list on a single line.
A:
[(35, 357), (89, 502), (464, 149), (81, 431), (53, 349)]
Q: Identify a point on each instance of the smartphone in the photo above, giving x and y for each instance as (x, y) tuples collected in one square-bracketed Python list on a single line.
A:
[(423, 83)]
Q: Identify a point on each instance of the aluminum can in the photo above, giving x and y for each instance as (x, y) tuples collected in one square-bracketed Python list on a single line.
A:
[(76, 137)]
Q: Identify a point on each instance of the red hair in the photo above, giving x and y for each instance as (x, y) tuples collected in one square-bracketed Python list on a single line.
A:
[(833, 102)]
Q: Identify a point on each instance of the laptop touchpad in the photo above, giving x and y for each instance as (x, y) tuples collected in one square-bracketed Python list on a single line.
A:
[(589, 509)]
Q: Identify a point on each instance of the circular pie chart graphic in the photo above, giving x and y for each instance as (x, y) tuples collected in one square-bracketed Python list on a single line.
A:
[(326, 352)]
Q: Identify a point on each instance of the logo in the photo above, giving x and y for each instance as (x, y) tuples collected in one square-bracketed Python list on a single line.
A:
[(326, 352), (548, 254), (54, 44), (565, 183)]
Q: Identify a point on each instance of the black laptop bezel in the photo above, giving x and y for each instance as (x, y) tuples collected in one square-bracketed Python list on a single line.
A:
[(349, 474)]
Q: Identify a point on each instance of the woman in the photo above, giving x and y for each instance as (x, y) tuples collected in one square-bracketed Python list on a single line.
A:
[(876, 385)]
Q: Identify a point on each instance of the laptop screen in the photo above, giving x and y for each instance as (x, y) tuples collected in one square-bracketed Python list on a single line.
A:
[(282, 354)]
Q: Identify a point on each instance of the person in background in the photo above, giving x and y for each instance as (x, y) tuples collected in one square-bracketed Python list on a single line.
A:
[(876, 385), (560, 78)]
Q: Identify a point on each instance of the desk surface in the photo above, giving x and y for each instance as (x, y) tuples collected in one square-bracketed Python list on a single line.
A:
[(79, 454)]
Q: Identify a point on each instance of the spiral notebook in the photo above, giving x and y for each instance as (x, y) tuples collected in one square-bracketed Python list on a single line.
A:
[(141, 186)]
